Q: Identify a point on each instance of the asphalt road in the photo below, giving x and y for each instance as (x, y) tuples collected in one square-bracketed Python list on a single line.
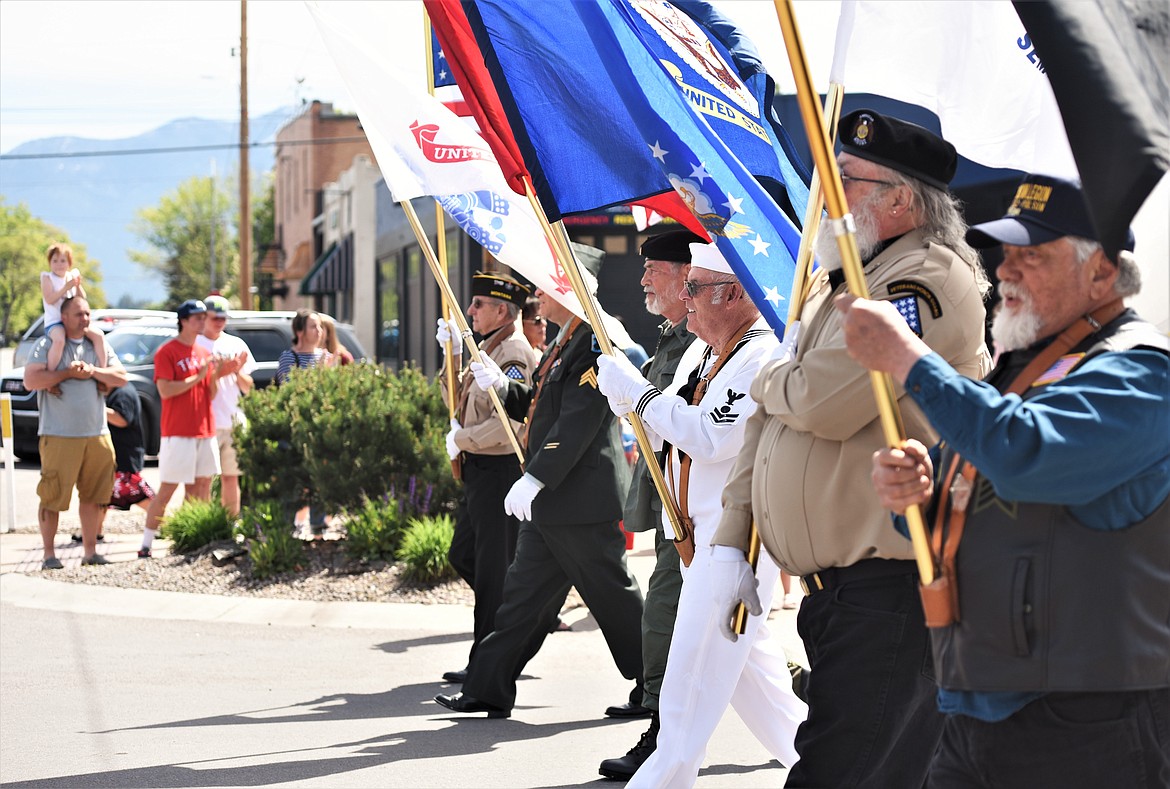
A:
[(95, 696)]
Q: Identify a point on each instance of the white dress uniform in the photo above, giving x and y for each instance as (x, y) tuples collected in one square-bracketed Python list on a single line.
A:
[(705, 671)]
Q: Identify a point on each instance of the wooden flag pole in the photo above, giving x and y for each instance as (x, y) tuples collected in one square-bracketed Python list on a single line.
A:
[(801, 285), (449, 307), (461, 319), (843, 225), (559, 241)]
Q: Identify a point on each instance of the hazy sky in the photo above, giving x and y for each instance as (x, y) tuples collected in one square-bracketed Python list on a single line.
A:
[(114, 69)]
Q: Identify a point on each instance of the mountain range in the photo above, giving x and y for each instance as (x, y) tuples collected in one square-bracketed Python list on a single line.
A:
[(95, 199)]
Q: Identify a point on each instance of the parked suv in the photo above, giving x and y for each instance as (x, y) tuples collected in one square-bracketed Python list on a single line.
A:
[(106, 320), (135, 343)]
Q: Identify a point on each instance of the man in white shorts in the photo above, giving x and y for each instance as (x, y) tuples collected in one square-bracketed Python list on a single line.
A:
[(187, 376), (225, 406)]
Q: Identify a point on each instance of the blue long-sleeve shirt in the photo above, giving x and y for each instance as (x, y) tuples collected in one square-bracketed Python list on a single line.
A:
[(1096, 441)]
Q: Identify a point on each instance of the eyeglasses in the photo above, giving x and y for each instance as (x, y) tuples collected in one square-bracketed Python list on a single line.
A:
[(845, 179), (479, 303), (693, 287)]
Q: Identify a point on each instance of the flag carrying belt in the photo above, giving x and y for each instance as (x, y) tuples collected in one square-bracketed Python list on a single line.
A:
[(693, 392)]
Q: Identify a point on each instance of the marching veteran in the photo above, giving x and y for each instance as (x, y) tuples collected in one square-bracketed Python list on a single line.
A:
[(569, 502), (1056, 465), (701, 418), (478, 445), (803, 472)]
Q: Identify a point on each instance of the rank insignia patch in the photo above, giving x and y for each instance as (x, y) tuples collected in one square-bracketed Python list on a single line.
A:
[(588, 377), (727, 413)]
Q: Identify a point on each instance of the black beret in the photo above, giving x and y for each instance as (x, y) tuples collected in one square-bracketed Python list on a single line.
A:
[(673, 246), (899, 145), (499, 286)]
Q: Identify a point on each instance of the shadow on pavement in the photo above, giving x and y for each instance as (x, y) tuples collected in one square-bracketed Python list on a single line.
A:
[(400, 646)]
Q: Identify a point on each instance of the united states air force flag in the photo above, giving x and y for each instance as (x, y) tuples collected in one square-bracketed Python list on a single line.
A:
[(753, 233)]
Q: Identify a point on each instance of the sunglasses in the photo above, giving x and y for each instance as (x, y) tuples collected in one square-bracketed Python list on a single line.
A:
[(538, 321), (693, 287)]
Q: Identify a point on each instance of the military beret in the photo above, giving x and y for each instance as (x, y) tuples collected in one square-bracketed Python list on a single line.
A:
[(673, 246), (899, 145), (499, 286), (1044, 209)]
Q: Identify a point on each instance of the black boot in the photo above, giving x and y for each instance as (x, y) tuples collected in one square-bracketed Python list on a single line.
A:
[(623, 769)]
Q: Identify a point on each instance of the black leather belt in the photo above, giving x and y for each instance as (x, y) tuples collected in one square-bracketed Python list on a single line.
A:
[(865, 570)]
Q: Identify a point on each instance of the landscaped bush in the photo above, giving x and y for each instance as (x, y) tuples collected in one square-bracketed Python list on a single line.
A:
[(341, 436), (272, 547), (195, 524), (423, 552)]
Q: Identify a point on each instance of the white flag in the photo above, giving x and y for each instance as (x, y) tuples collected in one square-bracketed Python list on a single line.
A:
[(423, 148)]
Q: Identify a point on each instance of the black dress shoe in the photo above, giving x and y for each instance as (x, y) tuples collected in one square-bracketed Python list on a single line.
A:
[(458, 677), (463, 703), (623, 769), (628, 710)]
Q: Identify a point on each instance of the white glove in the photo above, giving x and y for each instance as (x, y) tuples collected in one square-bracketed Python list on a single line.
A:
[(448, 332), (488, 374), (518, 502), (453, 449), (620, 382), (787, 350), (732, 581), (620, 407)]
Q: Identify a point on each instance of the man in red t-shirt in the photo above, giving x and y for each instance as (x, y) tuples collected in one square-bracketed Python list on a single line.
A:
[(187, 377)]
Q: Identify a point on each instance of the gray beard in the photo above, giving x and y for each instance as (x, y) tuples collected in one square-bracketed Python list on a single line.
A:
[(1015, 331), (827, 252)]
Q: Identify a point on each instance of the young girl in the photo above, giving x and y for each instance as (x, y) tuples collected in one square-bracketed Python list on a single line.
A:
[(61, 282)]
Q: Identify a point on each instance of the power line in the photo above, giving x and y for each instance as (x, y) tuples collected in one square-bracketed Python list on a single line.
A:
[(179, 149)]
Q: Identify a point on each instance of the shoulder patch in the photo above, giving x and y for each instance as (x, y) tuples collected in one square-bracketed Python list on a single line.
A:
[(919, 290), (1060, 369), (728, 412), (908, 307), (594, 346), (515, 372)]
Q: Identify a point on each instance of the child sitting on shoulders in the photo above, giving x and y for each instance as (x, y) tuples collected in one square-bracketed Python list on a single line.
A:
[(61, 282)]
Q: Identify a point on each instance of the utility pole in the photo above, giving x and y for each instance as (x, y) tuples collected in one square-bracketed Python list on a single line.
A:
[(245, 174), (214, 224)]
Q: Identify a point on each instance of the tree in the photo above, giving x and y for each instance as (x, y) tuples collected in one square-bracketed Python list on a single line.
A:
[(24, 240), (189, 229), (264, 236)]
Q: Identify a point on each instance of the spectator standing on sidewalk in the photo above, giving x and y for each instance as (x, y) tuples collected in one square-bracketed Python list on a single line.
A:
[(187, 376), (225, 406), (331, 344), (75, 442)]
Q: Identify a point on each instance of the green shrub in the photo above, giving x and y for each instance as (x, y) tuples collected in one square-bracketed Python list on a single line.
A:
[(425, 544), (271, 545), (339, 436), (195, 524), (374, 531)]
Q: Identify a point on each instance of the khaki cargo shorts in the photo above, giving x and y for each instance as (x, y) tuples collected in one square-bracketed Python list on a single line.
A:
[(87, 463)]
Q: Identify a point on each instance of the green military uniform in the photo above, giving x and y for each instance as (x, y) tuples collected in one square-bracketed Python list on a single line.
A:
[(573, 539), (643, 512)]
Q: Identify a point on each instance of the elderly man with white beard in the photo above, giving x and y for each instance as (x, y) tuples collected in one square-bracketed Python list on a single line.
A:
[(803, 472), (1055, 463)]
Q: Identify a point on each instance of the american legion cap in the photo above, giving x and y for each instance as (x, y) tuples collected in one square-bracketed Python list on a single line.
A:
[(673, 246), (499, 286), (899, 145), (1044, 209)]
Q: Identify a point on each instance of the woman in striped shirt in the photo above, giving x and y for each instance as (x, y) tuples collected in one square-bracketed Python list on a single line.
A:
[(306, 328)]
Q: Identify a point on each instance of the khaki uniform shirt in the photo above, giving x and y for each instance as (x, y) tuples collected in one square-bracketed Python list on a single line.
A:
[(481, 431), (804, 469)]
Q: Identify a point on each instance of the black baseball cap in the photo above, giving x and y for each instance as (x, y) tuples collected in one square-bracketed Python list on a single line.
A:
[(1044, 209), (191, 307), (673, 246)]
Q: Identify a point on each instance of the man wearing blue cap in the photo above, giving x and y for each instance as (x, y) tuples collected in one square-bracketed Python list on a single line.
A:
[(187, 376), (1057, 463)]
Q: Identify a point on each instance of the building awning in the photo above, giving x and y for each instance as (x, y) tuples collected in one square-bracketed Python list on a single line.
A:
[(333, 271)]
